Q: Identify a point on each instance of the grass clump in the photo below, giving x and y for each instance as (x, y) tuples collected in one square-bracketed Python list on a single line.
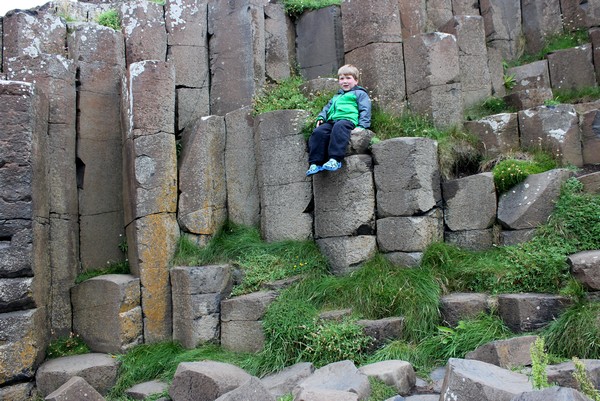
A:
[(576, 332), (380, 390), (65, 346), (582, 95), (512, 171), (111, 19), (111, 268), (539, 364), (489, 106), (564, 40), (297, 7)]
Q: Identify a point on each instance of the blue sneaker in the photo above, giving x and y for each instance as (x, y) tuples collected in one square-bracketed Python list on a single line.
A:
[(332, 165), (313, 169)]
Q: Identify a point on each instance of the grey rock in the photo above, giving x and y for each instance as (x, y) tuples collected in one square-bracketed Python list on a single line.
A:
[(514, 237), (552, 394), (528, 98), (562, 373), (465, 7), (247, 307), (188, 280), (442, 104), (145, 33), (503, 26), (409, 234), (439, 12), (325, 395), (17, 392), (413, 16), (572, 68), (75, 389), (473, 240), (32, 34), (280, 34), (528, 311), (252, 390), (340, 376), (186, 23), (16, 294), (346, 254), (530, 203), (284, 381), (591, 182), (540, 20), (405, 259), (585, 267), (421, 397), (530, 76), (319, 86), (358, 21), (142, 390), (577, 15), (394, 373), (479, 381), (192, 103), (510, 353), (590, 136), (382, 330), (470, 202), (498, 133), (461, 306), (360, 141), (98, 370), (107, 313)]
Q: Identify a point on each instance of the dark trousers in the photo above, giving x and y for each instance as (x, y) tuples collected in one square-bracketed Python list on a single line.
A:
[(329, 141)]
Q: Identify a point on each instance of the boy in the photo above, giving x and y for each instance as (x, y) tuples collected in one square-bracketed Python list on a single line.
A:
[(349, 108)]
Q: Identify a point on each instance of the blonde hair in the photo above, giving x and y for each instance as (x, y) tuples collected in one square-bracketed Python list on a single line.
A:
[(348, 69)]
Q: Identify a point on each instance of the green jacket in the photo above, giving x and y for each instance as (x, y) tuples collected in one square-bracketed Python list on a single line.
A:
[(354, 105)]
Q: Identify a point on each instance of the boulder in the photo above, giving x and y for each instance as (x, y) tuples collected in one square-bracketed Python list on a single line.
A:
[(591, 182), (585, 267), (251, 390), (143, 390), (529, 311), (498, 133), (17, 392), (461, 306), (552, 394), (394, 373), (470, 202), (409, 234), (507, 354), (360, 141), (472, 380), (572, 68), (76, 388), (16, 294), (340, 376), (346, 254), (284, 381), (562, 373), (382, 330)]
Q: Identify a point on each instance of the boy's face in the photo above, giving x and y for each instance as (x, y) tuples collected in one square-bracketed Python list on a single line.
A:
[(347, 82)]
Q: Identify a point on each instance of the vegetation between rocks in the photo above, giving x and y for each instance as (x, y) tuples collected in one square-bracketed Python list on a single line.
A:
[(111, 19)]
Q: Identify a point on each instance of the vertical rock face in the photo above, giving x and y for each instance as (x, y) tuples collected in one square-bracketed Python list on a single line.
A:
[(572, 68), (144, 29), (100, 61), (285, 192), (280, 36), (413, 16), (439, 12), (589, 121), (580, 15), (203, 191), (237, 53), (470, 202), (24, 229), (502, 19), (540, 20), (319, 42), (498, 133)]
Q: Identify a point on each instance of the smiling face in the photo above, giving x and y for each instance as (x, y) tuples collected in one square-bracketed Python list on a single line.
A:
[(347, 82)]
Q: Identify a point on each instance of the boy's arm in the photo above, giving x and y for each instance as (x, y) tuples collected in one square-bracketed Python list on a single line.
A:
[(364, 110), (323, 114)]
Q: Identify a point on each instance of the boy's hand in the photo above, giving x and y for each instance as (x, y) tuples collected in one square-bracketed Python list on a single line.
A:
[(319, 122)]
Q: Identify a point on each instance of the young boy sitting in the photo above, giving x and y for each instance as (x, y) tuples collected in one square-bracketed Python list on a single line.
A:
[(348, 109)]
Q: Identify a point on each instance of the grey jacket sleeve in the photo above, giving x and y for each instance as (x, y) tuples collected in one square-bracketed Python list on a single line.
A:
[(323, 114), (364, 109)]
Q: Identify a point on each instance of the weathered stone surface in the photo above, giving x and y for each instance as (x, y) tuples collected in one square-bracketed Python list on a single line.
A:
[(528, 312), (413, 17), (562, 373), (320, 86), (507, 354), (360, 141), (591, 182), (409, 234), (514, 237), (345, 254), (76, 388), (319, 42), (572, 68), (243, 200), (237, 53), (479, 381), (280, 34), (154, 240), (205, 381), (532, 85), (107, 312), (498, 133), (473, 240), (247, 307), (382, 330), (406, 176), (474, 73), (284, 381), (191, 66), (358, 20), (189, 280), (495, 65), (461, 306), (405, 259), (16, 294), (144, 29), (23, 346), (552, 394), (381, 63), (585, 267), (530, 203), (242, 335), (540, 20), (336, 315), (17, 392), (528, 98), (285, 191), (325, 395), (578, 15), (98, 370), (439, 12), (394, 373), (143, 390), (186, 23), (589, 122), (465, 7), (345, 200), (202, 187), (337, 376), (470, 202), (252, 390), (441, 104), (502, 20), (192, 103)]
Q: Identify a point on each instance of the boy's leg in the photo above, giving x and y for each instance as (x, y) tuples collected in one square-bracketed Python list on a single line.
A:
[(340, 136), (318, 142)]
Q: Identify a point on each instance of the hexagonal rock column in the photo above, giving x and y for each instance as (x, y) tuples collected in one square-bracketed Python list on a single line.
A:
[(241, 321), (439, 12), (507, 354), (107, 312), (572, 68), (24, 232), (589, 123), (285, 191), (585, 267), (187, 49), (461, 306), (410, 234), (413, 17), (529, 312), (280, 36), (376, 52), (580, 15), (476, 84), (532, 85), (237, 53), (502, 20), (197, 294), (498, 133), (555, 129), (99, 55), (151, 189), (319, 42), (433, 77), (144, 30), (540, 20)]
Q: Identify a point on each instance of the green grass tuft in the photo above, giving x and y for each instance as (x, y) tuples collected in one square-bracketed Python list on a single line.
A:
[(65, 346), (112, 268), (489, 106), (582, 95), (556, 42), (510, 172), (111, 19), (297, 7), (576, 332)]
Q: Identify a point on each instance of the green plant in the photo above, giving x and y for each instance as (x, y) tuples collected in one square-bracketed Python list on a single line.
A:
[(586, 385), (552, 102), (380, 390), (111, 268), (509, 81), (287, 397), (65, 346), (581, 95), (489, 106), (563, 40), (539, 364), (576, 332), (510, 172), (111, 19), (297, 7), (123, 247)]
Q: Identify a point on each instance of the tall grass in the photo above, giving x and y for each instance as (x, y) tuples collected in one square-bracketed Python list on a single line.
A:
[(576, 332)]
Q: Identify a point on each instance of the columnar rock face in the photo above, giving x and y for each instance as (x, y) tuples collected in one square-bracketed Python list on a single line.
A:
[(580, 15), (413, 17), (151, 189), (470, 202), (203, 191), (100, 62), (498, 133), (465, 7), (280, 36), (237, 53), (376, 52), (24, 232), (540, 20), (107, 312), (187, 49), (585, 267), (531, 85), (589, 123), (243, 200), (472, 57), (144, 29), (433, 77), (503, 30), (319, 42), (529, 312), (572, 68), (439, 12), (410, 234), (285, 192)]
